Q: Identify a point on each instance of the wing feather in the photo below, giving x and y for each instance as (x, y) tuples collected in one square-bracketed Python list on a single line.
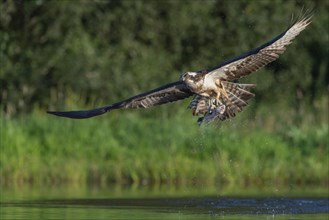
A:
[(168, 93), (259, 57)]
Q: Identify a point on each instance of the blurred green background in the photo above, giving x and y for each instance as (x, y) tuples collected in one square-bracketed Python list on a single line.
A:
[(65, 55)]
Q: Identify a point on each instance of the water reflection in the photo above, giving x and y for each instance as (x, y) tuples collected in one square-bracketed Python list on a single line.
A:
[(122, 202), (155, 191), (191, 205)]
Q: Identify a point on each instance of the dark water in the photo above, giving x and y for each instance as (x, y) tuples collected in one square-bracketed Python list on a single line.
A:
[(118, 203)]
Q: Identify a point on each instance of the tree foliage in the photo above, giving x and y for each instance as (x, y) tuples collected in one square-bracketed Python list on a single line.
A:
[(102, 51)]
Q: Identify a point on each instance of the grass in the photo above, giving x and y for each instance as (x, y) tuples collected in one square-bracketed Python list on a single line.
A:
[(156, 147)]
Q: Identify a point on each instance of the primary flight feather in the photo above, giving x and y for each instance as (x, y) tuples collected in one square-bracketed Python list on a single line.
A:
[(215, 97)]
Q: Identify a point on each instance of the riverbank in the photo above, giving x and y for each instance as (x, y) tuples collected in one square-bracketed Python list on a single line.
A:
[(157, 148)]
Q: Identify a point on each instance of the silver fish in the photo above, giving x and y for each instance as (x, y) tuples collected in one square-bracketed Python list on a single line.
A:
[(214, 113)]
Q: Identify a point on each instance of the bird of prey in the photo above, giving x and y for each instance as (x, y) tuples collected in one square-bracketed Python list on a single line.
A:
[(216, 97)]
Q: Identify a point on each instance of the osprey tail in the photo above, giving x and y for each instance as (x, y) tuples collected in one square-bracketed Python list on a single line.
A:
[(237, 96)]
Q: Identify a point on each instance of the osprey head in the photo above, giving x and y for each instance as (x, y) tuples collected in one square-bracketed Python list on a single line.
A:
[(192, 79)]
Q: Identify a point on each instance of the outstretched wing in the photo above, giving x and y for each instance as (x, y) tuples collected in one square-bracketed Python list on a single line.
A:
[(259, 57), (168, 93)]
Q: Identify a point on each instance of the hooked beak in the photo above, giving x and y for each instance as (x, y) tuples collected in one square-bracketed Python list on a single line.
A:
[(182, 77)]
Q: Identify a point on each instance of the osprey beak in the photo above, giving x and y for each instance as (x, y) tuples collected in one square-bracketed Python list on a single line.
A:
[(182, 76)]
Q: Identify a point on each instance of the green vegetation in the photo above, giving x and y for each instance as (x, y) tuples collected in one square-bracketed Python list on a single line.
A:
[(134, 147), (69, 55)]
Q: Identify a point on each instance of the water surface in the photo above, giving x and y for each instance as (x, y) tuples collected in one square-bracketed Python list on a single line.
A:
[(162, 203)]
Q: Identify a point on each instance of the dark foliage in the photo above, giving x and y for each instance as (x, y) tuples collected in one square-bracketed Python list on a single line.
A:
[(101, 51)]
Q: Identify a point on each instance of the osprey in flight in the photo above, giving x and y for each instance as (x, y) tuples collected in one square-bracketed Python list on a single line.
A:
[(215, 96)]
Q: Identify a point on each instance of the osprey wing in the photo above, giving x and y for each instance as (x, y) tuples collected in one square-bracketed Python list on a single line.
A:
[(259, 57), (168, 93)]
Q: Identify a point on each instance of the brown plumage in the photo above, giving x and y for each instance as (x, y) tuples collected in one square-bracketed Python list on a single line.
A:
[(238, 96), (259, 57)]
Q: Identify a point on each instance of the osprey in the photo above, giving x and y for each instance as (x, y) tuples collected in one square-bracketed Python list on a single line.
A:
[(215, 96)]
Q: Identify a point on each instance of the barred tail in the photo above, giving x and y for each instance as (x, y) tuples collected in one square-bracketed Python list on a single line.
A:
[(237, 96)]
